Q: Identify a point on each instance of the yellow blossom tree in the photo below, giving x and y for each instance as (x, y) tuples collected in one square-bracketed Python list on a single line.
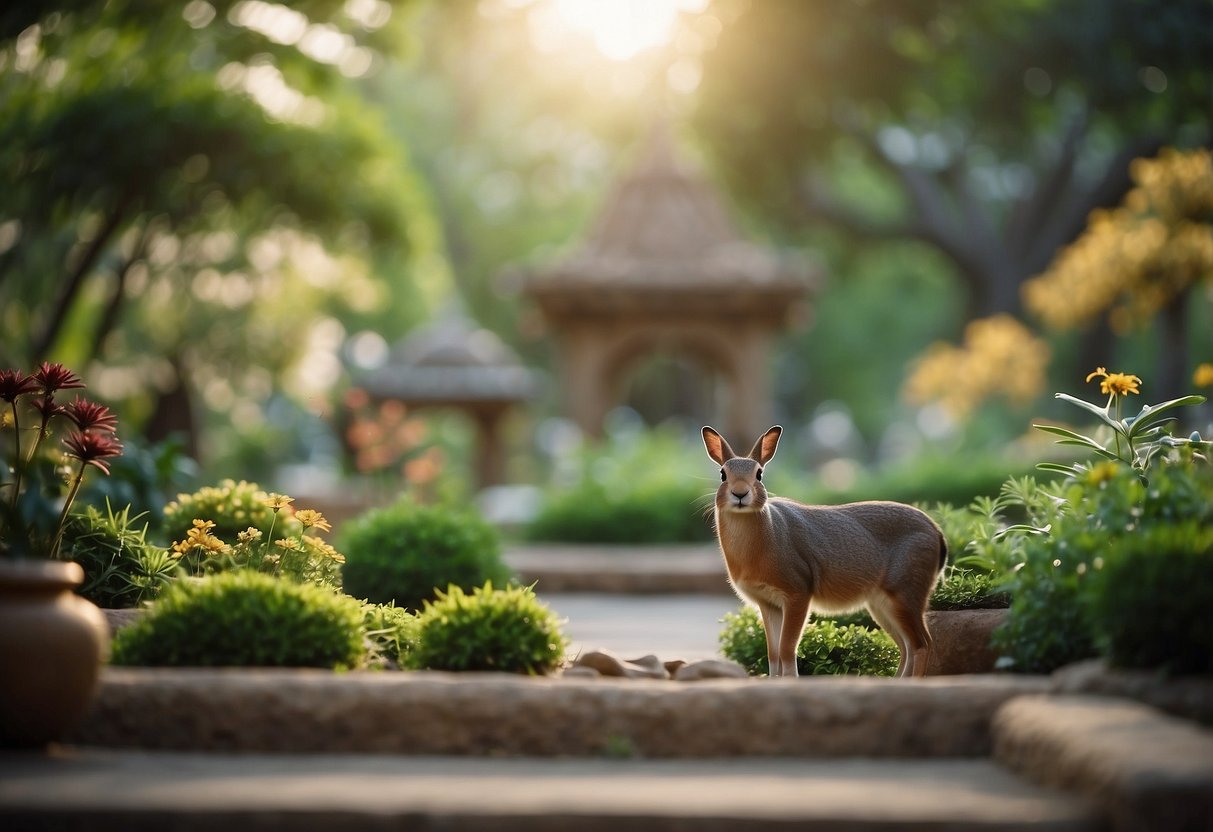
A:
[(999, 357), (1140, 261)]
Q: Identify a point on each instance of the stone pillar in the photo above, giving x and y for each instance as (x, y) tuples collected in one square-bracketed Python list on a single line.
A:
[(750, 407)]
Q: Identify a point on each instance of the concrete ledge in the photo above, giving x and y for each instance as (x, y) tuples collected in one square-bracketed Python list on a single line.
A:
[(289, 711), (1149, 770)]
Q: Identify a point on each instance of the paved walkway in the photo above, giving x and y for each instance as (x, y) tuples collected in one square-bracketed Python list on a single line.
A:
[(630, 626)]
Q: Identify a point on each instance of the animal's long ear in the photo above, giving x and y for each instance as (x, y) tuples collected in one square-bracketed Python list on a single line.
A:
[(765, 447), (718, 449)]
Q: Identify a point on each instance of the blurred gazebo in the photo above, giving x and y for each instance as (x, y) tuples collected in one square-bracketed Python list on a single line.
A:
[(455, 364), (664, 269)]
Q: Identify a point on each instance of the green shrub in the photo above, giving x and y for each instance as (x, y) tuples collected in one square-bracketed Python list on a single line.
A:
[(391, 630), (121, 568), (642, 490), (505, 630), (965, 589), (1048, 624), (1149, 600), (401, 553), (826, 648), (232, 506), (245, 619)]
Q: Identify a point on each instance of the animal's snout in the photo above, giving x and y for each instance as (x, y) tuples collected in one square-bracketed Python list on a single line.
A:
[(739, 499)]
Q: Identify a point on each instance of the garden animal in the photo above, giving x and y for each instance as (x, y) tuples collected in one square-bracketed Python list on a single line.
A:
[(785, 557)]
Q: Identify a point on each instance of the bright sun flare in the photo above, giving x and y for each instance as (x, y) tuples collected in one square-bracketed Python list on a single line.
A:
[(622, 29)]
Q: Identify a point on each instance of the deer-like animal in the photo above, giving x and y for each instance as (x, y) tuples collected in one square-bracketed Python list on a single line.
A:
[(784, 556)]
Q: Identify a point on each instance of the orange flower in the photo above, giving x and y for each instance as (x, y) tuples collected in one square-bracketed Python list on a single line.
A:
[(1115, 384)]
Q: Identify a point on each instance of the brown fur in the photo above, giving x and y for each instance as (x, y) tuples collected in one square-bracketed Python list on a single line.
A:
[(784, 556)]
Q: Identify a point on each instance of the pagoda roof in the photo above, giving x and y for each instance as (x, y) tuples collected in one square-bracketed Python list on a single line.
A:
[(664, 228)]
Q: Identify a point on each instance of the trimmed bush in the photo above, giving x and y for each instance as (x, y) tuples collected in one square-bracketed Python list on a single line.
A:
[(245, 619), (826, 648), (121, 568), (1150, 597), (506, 630), (232, 506), (401, 553)]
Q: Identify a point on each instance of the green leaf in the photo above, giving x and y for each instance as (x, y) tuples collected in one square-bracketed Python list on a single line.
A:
[(1149, 415), (1100, 413)]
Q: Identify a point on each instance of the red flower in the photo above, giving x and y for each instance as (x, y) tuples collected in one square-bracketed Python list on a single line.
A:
[(47, 407), (91, 416), (14, 383), (92, 448), (52, 377)]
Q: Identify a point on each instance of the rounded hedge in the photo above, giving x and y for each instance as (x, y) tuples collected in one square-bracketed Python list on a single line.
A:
[(506, 630), (826, 648), (245, 619), (1149, 596), (404, 552)]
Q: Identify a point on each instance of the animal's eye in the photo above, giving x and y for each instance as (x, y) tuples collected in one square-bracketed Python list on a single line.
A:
[(722, 475), (758, 476)]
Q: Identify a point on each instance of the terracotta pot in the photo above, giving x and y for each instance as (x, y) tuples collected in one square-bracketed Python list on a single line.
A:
[(52, 643), (962, 641)]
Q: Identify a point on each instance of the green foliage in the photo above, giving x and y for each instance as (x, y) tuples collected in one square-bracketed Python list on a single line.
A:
[(1105, 507), (245, 619), (964, 589), (232, 506), (826, 648), (121, 568), (146, 475), (391, 630), (403, 552), (1149, 600), (506, 630), (634, 490)]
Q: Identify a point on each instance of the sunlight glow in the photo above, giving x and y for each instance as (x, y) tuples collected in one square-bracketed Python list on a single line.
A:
[(621, 29)]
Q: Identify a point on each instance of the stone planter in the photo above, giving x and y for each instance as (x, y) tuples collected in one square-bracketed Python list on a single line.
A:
[(51, 646), (962, 641)]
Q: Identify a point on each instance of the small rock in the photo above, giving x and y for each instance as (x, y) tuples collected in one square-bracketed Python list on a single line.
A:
[(710, 669), (672, 666), (608, 664)]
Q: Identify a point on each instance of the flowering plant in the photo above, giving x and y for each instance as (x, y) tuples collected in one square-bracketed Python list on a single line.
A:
[(1135, 440), (303, 557), (41, 479)]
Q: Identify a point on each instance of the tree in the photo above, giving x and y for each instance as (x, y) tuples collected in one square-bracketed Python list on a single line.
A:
[(999, 125), (187, 185)]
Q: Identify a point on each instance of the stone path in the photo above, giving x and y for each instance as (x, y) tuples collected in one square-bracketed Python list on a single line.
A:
[(668, 626)]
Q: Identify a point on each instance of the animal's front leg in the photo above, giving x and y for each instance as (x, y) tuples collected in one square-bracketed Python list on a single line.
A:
[(795, 612), (772, 625)]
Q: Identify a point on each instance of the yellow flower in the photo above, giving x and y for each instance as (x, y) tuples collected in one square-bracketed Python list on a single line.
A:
[(290, 544), (1103, 472), (203, 526), (249, 535), (1115, 384), (313, 519), (277, 501), (323, 548), (1203, 377)]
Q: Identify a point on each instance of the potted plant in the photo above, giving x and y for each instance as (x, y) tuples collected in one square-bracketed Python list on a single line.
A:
[(51, 641)]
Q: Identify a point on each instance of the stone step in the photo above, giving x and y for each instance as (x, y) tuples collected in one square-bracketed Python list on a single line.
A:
[(312, 711), (1149, 770), (636, 569), (94, 790)]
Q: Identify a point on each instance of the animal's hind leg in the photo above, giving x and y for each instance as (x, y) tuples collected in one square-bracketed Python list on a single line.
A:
[(912, 623), (881, 615)]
